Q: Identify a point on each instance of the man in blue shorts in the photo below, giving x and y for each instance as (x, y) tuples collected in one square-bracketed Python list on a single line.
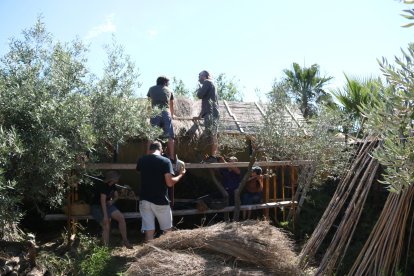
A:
[(156, 176), (162, 97)]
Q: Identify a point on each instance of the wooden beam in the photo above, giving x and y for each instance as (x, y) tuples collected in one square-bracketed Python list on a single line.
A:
[(132, 166), (233, 116), (130, 215), (260, 108), (295, 120)]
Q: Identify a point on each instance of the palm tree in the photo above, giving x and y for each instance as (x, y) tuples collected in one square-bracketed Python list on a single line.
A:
[(306, 88), (355, 95)]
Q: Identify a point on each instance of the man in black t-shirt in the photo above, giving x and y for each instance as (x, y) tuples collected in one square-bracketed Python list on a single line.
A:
[(156, 176), (103, 209)]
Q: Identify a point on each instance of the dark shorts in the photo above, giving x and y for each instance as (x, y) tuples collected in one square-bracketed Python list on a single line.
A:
[(251, 198), (211, 124), (164, 121), (97, 214)]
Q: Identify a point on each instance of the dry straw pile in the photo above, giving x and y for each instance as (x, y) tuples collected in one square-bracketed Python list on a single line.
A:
[(242, 248)]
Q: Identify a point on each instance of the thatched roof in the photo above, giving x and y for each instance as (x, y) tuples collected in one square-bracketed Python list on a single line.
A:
[(235, 117)]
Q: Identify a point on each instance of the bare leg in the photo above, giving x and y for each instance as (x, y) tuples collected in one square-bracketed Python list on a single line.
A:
[(149, 235), (105, 232), (171, 148), (117, 215)]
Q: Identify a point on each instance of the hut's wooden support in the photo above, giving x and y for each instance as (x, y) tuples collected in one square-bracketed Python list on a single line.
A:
[(283, 192), (266, 189), (132, 215), (275, 191), (132, 166), (234, 117)]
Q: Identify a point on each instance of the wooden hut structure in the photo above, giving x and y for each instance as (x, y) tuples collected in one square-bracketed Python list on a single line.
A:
[(236, 118)]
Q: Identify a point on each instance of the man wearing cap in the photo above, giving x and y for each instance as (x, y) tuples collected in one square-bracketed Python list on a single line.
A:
[(254, 190), (103, 209), (157, 176), (209, 109), (162, 97)]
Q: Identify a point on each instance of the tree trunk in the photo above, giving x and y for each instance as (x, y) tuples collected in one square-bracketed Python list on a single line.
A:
[(237, 201)]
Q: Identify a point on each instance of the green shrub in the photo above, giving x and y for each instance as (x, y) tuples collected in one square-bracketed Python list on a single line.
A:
[(96, 263)]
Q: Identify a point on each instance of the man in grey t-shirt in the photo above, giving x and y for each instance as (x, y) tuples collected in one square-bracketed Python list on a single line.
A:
[(162, 97), (209, 108)]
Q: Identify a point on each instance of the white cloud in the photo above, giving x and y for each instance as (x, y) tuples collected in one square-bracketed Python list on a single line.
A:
[(107, 27), (152, 32)]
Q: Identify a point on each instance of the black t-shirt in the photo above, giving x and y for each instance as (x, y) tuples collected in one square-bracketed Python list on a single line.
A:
[(153, 169), (103, 188)]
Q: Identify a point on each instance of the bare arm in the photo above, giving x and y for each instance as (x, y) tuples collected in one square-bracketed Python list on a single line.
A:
[(172, 108), (260, 179), (112, 201), (103, 206), (172, 180)]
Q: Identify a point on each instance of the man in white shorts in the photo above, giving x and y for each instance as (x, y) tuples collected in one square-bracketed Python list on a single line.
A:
[(156, 176)]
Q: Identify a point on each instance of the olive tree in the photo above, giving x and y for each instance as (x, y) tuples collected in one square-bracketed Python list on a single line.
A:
[(116, 114), (43, 99), (391, 119), (61, 114)]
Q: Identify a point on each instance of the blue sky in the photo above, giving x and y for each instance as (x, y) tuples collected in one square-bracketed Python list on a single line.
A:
[(252, 41)]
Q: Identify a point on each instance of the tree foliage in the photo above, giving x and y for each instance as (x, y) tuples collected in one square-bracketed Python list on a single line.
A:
[(306, 88), (179, 88), (116, 114), (10, 194), (227, 89), (314, 140), (392, 121), (355, 94), (60, 113)]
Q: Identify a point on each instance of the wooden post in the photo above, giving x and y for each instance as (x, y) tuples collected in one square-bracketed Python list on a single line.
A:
[(275, 191), (292, 183), (267, 195), (283, 191)]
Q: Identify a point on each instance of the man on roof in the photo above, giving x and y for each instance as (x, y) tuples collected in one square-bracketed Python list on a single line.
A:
[(162, 97), (209, 109)]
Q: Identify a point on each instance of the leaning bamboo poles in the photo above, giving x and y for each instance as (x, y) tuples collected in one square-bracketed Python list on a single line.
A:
[(381, 253), (346, 229), (345, 187)]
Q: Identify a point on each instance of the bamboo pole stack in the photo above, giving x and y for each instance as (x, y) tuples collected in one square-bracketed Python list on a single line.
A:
[(346, 229), (382, 251), (347, 185)]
